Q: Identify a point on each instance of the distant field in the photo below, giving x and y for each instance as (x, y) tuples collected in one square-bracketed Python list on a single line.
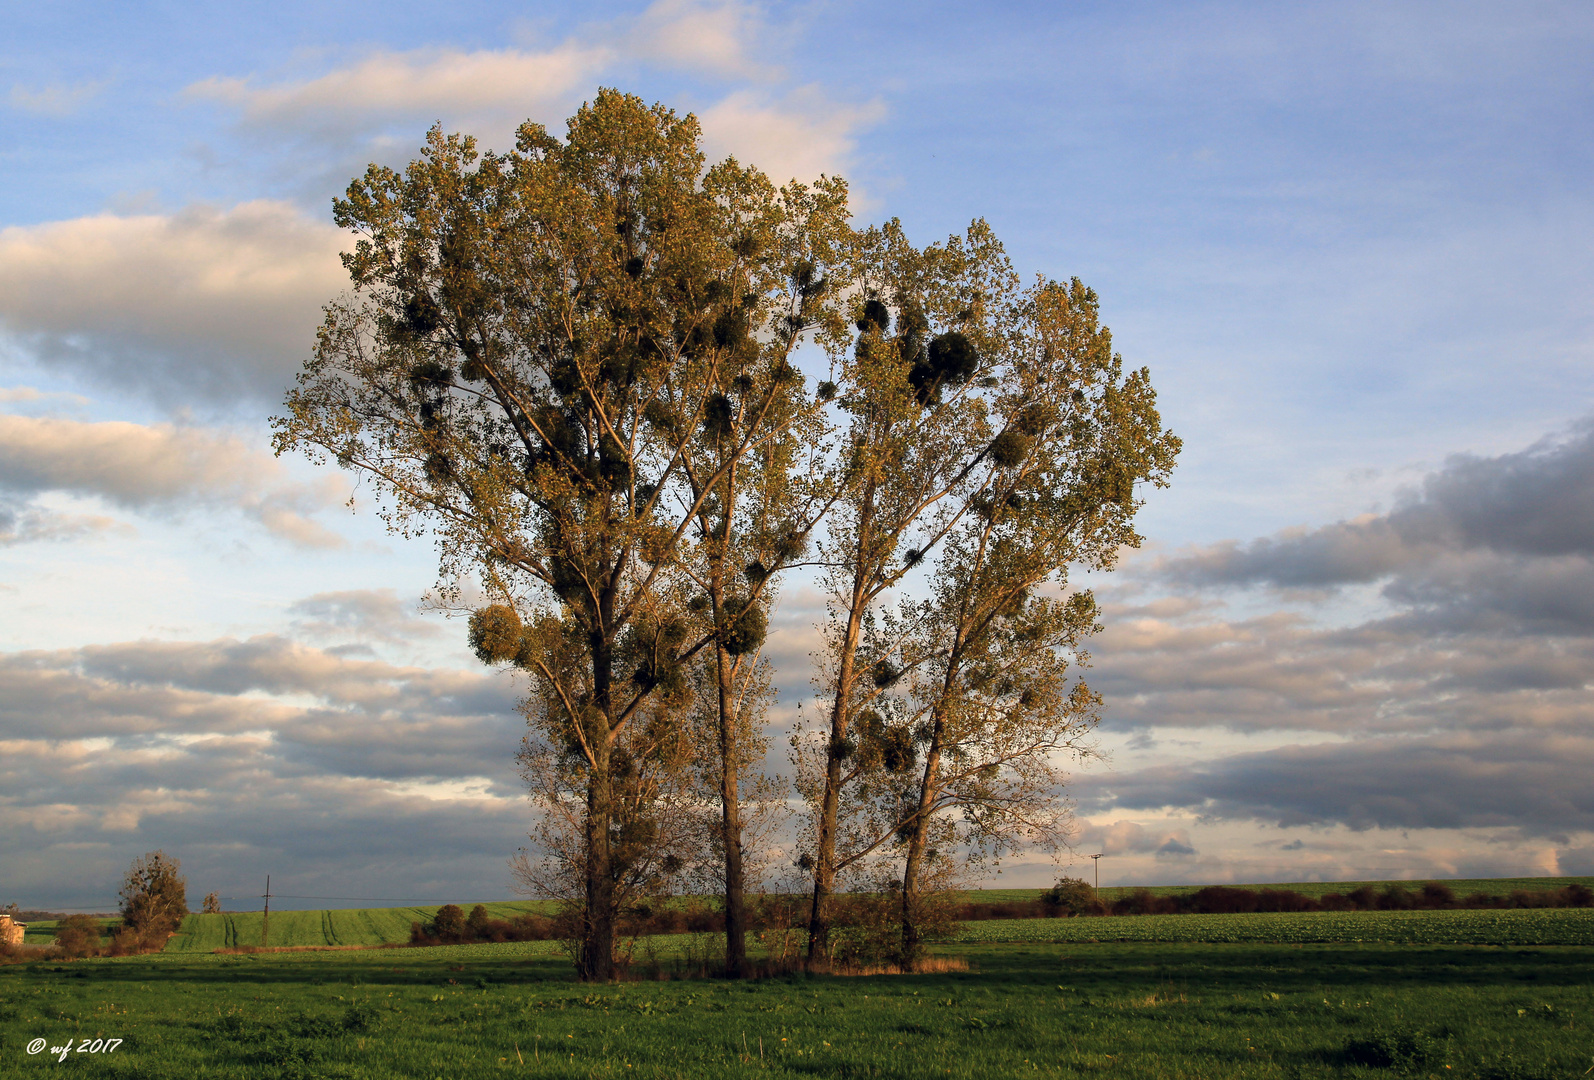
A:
[(391, 926), (1527, 926), (357, 926), (1523, 926), (1462, 887)]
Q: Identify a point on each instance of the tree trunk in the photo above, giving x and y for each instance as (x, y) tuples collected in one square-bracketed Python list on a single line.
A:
[(840, 715), (598, 920), (731, 823), (825, 853), (912, 947), (596, 962)]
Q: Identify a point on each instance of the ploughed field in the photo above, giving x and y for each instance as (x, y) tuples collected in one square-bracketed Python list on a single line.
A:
[(1122, 1009)]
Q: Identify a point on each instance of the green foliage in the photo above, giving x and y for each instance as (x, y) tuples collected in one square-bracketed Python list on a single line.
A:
[(495, 634), (1404, 1050), (1072, 897)]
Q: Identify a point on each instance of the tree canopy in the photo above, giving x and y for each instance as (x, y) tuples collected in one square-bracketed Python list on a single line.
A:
[(576, 364)]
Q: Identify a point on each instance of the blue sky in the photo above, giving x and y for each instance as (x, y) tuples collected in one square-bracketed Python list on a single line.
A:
[(1351, 241)]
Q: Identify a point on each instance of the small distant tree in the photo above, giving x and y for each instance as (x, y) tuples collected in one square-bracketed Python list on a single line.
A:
[(154, 895), (212, 905)]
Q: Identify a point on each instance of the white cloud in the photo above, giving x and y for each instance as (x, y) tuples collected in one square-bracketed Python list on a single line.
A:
[(485, 85), (799, 135), (159, 466), (789, 133), (56, 100), (696, 36), (205, 304)]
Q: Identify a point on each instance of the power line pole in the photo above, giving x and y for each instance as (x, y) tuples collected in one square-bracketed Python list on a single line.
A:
[(1094, 858), (265, 920)]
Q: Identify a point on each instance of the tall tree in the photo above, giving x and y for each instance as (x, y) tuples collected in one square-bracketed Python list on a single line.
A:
[(533, 342), (988, 699), (931, 323), (154, 895), (753, 511)]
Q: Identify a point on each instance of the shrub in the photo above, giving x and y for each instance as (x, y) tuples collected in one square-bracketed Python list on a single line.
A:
[(1436, 895), (449, 923), (78, 935), (212, 905), (1071, 897), (1363, 899), (1395, 898), (1223, 900), (451, 926), (1144, 902)]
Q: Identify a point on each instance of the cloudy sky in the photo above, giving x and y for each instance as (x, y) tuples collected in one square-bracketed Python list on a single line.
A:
[(1351, 240)]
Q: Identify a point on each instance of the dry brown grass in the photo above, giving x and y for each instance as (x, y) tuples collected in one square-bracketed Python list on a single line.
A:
[(929, 965)]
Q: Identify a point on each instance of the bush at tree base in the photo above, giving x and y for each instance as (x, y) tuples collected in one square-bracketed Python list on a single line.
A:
[(79, 935)]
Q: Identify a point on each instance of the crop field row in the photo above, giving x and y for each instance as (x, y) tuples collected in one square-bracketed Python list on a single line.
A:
[(352, 926)]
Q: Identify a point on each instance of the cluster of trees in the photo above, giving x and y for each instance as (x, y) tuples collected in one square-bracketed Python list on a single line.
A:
[(153, 904), (575, 364)]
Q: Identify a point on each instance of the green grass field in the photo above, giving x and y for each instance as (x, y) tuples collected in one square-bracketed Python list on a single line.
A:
[(1132, 1010), (361, 926)]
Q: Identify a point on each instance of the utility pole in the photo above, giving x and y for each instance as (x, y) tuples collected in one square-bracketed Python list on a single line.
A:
[(1096, 858), (265, 920)]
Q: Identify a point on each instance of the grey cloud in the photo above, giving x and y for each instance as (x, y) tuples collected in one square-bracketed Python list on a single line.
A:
[(1130, 838), (1538, 503), (1386, 676), (1529, 781), (364, 717), (369, 614), (22, 523), (243, 754), (201, 306), (156, 467)]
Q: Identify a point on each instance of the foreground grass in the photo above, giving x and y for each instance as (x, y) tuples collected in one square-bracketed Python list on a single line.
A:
[(1164, 1010)]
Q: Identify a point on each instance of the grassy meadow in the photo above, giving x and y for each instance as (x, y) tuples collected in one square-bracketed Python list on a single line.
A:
[(1162, 1010), (1498, 994)]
